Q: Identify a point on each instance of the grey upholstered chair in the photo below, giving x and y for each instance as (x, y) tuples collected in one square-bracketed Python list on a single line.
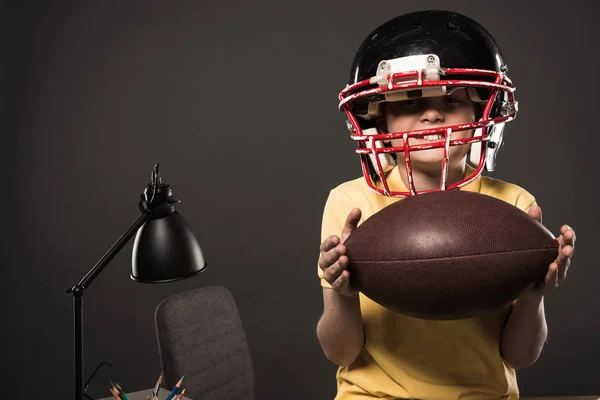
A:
[(200, 334)]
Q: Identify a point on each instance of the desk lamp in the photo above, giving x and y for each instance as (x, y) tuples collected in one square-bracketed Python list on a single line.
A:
[(164, 250)]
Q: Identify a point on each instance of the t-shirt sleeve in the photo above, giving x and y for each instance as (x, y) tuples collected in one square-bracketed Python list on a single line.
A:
[(525, 200), (334, 217)]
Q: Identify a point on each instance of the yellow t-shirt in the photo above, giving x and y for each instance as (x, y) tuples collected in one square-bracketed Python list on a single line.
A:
[(406, 357)]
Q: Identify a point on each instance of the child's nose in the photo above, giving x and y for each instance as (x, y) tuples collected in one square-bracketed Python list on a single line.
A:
[(432, 114)]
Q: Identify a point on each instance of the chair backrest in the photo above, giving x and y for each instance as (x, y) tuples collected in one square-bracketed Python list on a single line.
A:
[(200, 334)]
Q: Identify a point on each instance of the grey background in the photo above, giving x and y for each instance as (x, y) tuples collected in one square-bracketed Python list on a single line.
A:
[(237, 101)]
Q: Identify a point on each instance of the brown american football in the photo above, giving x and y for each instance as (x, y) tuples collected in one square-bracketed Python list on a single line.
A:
[(448, 254)]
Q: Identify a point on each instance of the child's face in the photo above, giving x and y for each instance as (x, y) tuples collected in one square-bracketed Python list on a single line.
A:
[(431, 112)]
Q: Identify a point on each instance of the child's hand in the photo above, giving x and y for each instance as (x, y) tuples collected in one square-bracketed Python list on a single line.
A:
[(333, 260), (557, 271)]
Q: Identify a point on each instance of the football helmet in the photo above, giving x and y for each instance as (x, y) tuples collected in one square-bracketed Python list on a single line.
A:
[(423, 54)]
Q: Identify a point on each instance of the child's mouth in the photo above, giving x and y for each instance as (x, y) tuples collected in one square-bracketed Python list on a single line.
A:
[(433, 137)]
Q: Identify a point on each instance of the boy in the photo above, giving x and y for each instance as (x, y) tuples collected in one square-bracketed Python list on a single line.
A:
[(427, 102)]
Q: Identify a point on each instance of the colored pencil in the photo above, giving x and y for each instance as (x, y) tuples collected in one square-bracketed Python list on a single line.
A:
[(115, 393), (157, 386), (121, 393), (175, 389)]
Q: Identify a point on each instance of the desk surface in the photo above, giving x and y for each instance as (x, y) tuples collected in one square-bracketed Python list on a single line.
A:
[(141, 395)]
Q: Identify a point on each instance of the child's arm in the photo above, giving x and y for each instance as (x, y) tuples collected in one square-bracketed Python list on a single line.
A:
[(525, 331), (340, 329)]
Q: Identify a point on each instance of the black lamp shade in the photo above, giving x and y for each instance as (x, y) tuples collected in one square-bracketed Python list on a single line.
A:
[(165, 250)]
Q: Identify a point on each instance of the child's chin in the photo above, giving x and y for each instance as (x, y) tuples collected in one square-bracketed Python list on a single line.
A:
[(434, 156), (437, 155)]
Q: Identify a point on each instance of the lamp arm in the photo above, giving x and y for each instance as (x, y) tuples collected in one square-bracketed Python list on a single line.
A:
[(78, 291), (87, 280)]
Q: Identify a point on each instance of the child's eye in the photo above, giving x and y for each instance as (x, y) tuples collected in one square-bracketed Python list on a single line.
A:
[(451, 99), (408, 102)]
